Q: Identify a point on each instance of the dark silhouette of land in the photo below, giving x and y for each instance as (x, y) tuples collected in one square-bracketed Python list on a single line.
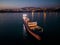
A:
[(30, 9)]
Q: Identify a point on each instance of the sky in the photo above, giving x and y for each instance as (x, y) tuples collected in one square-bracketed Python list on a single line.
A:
[(29, 3)]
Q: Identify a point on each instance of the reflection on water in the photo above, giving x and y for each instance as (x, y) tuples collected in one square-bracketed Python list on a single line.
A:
[(38, 14), (44, 17), (24, 31), (56, 13), (32, 16)]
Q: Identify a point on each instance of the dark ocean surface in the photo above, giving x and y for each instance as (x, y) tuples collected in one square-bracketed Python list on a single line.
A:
[(11, 27)]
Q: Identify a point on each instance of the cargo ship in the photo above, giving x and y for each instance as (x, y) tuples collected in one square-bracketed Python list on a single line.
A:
[(32, 28)]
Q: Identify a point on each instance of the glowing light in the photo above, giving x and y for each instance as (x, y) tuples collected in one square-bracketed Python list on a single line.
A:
[(24, 15)]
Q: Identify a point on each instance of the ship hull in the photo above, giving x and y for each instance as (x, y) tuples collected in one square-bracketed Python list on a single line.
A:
[(31, 33)]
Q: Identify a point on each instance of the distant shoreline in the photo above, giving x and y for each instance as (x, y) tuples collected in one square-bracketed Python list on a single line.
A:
[(29, 10), (25, 11)]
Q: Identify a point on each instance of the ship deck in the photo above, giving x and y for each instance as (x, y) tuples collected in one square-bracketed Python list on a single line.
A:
[(32, 33)]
